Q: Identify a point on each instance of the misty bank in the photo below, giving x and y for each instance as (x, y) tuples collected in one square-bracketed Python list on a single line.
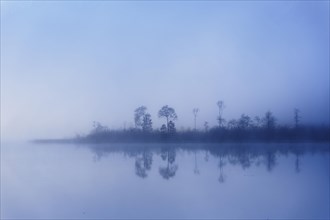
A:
[(214, 135)]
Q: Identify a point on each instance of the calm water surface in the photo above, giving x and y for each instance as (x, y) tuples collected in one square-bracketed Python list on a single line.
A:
[(165, 181)]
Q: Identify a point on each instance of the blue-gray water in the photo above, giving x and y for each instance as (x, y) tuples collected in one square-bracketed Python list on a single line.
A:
[(165, 181)]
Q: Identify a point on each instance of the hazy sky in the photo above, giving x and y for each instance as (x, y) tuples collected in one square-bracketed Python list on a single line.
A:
[(66, 64)]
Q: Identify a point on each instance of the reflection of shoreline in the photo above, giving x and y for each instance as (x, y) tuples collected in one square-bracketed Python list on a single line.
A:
[(243, 155), (144, 140)]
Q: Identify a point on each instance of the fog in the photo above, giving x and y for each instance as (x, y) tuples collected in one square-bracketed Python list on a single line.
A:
[(67, 64), (158, 181)]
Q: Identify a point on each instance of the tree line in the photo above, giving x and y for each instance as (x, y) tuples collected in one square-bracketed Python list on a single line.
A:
[(244, 128)]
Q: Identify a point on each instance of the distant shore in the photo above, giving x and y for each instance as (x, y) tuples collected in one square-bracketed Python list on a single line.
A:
[(212, 136)]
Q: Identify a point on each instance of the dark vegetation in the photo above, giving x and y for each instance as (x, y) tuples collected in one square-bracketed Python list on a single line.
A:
[(243, 129)]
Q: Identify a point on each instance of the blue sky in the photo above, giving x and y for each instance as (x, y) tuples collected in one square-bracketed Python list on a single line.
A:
[(66, 64)]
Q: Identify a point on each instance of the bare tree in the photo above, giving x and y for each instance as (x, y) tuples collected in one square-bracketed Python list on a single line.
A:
[(221, 106), (195, 111), (297, 117)]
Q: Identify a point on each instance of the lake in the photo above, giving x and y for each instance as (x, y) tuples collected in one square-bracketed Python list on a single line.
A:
[(232, 181)]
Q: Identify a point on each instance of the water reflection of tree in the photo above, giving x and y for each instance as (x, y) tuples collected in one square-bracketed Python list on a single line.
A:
[(242, 155), (248, 156), (196, 169), (206, 157), (168, 154), (297, 152), (221, 164), (297, 164), (244, 159), (270, 160), (143, 164)]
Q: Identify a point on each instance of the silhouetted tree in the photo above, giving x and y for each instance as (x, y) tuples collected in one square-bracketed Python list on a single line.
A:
[(232, 124), (98, 128), (221, 106), (163, 129), (297, 117), (269, 120), (138, 116), (195, 111), (168, 113), (171, 127), (206, 126), (147, 123), (244, 122), (257, 122)]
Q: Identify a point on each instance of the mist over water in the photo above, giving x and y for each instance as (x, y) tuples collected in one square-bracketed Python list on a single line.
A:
[(164, 109), (230, 181)]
